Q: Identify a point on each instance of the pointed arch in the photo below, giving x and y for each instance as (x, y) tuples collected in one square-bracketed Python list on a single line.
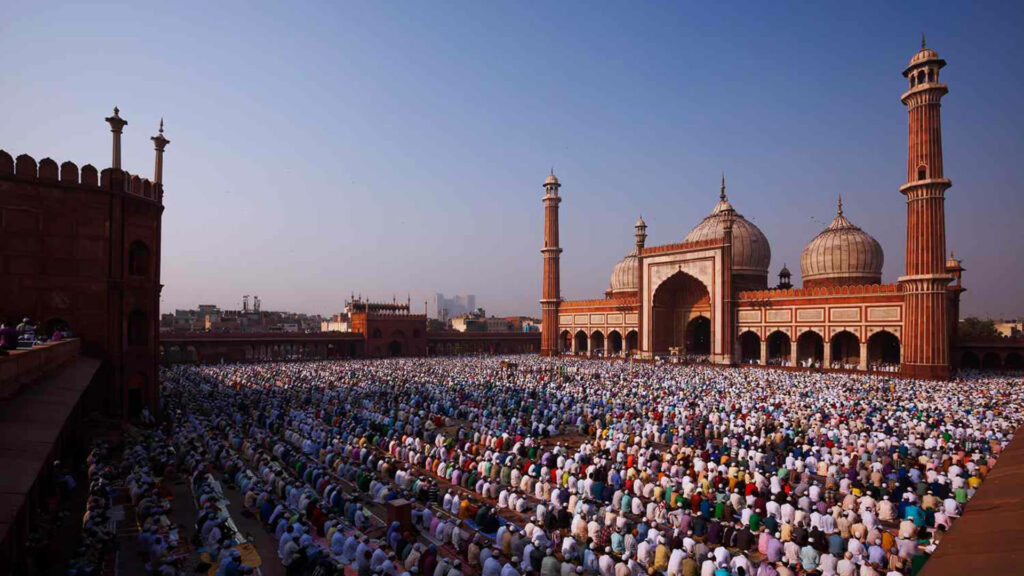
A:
[(780, 348), (632, 342), (580, 339), (810, 349), (883, 349), (596, 342), (614, 342), (844, 348), (750, 347)]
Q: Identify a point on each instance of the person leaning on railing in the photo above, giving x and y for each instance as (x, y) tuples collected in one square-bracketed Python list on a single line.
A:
[(8, 337)]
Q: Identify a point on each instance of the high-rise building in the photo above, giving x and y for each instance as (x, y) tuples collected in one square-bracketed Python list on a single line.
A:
[(447, 308)]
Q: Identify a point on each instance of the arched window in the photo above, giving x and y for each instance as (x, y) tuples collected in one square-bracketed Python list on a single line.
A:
[(931, 75), (138, 259), (138, 328), (922, 172), (920, 77)]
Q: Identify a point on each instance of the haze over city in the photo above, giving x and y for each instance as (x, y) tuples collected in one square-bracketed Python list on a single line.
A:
[(394, 149)]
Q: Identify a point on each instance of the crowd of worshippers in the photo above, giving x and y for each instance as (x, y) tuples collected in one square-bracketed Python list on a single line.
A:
[(593, 468), (98, 528), (150, 455)]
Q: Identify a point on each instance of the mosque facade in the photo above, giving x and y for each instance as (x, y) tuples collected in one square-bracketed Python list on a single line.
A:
[(708, 296)]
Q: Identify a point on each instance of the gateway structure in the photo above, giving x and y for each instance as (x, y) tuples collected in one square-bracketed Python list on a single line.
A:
[(708, 295)]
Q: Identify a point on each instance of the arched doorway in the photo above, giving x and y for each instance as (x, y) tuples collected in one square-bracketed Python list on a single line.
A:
[(581, 342), (136, 393), (565, 342), (779, 348), (883, 350), (396, 343), (138, 259), (845, 350), (394, 348), (615, 342), (1014, 361), (991, 361), (810, 349), (631, 342), (681, 312), (969, 361), (698, 336), (597, 343), (750, 348)]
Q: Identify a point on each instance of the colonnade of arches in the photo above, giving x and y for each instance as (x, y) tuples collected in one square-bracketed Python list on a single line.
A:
[(991, 360), (881, 351), (480, 347), (598, 344), (257, 352)]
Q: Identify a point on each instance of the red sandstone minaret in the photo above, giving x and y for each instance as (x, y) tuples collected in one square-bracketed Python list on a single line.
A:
[(551, 290), (926, 313)]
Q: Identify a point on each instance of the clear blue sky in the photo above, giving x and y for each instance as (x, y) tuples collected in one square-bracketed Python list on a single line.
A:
[(399, 147)]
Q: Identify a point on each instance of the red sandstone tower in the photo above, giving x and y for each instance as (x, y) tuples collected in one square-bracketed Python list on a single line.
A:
[(926, 326), (551, 290)]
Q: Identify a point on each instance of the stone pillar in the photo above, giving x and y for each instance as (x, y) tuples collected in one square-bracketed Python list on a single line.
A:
[(863, 355), (159, 143), (117, 125), (827, 355), (590, 345), (792, 353), (572, 343), (764, 351)]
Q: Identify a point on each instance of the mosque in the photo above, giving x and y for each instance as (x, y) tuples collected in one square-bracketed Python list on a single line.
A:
[(708, 295)]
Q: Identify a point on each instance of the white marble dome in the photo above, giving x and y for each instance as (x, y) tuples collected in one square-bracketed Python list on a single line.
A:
[(751, 253), (624, 274), (842, 254)]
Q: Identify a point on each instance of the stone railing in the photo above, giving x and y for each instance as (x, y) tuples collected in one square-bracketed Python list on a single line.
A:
[(23, 366)]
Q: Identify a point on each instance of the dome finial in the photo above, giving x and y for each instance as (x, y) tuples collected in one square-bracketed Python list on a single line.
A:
[(923, 44), (839, 210), (722, 195)]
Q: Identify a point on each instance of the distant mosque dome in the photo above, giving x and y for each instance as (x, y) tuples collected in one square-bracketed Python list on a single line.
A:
[(551, 179), (624, 274), (840, 255), (751, 254)]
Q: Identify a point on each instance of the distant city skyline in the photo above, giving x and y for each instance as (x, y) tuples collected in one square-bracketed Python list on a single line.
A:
[(370, 149)]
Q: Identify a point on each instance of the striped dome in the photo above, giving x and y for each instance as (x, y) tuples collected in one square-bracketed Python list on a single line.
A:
[(842, 254), (624, 274), (751, 253)]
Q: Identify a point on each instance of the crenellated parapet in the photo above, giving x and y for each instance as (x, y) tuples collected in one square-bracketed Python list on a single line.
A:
[(855, 290), (624, 303), (681, 246), (68, 174)]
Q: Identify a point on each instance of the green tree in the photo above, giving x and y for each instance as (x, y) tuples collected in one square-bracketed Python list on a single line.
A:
[(972, 328)]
